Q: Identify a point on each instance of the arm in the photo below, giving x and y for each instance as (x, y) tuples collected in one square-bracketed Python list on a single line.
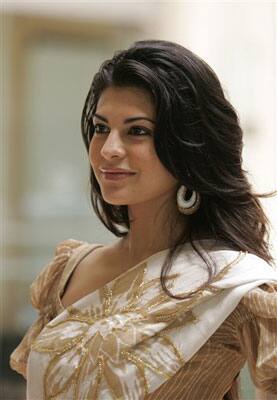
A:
[(258, 338), (42, 298)]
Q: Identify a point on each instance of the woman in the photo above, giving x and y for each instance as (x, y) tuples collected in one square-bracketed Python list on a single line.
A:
[(187, 294)]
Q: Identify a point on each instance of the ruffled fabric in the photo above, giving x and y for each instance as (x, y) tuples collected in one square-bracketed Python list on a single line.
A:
[(258, 337), (43, 297)]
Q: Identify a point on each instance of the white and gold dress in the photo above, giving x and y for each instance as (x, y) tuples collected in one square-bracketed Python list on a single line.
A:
[(130, 340)]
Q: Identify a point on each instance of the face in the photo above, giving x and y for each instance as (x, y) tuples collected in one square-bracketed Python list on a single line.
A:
[(123, 138)]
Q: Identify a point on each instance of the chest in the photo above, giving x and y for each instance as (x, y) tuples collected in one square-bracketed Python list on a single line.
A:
[(92, 273)]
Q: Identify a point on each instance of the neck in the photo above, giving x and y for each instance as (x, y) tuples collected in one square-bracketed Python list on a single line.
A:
[(153, 227)]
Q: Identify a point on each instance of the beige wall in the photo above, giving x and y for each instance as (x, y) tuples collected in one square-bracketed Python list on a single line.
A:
[(238, 40)]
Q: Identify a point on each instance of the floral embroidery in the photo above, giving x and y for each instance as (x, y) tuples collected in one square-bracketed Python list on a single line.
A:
[(90, 344), (115, 343)]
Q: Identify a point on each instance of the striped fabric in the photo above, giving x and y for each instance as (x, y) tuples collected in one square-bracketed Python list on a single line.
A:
[(248, 334)]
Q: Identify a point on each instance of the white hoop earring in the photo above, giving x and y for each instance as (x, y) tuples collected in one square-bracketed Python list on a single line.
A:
[(190, 206)]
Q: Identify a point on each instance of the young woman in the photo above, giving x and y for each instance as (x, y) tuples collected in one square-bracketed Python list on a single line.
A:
[(187, 294)]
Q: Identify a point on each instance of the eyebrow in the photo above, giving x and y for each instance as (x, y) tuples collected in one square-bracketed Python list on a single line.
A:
[(131, 119)]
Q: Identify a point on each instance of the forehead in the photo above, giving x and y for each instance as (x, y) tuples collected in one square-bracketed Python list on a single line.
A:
[(126, 100)]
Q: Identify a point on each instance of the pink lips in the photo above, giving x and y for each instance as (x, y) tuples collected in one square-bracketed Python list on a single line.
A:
[(116, 174)]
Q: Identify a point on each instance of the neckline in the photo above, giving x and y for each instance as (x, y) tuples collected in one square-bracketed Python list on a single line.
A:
[(89, 248), (76, 262)]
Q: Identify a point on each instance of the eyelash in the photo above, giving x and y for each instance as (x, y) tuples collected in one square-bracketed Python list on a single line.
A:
[(147, 132)]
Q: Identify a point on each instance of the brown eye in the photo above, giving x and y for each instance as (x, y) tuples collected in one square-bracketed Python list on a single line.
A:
[(100, 128), (139, 131)]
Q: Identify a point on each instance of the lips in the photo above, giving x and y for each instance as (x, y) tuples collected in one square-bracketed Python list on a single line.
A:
[(116, 176), (116, 171)]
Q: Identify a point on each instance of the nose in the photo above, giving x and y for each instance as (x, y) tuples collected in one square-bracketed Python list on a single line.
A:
[(113, 146)]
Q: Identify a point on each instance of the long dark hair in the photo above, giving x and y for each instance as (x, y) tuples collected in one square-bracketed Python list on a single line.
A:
[(198, 138)]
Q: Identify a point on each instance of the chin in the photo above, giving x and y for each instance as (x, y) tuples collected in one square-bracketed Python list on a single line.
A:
[(114, 202)]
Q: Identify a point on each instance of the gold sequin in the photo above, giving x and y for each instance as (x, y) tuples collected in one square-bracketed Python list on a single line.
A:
[(107, 300), (140, 366), (123, 320)]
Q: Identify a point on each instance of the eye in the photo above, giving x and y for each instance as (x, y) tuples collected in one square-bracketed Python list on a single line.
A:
[(140, 131), (134, 130), (100, 128)]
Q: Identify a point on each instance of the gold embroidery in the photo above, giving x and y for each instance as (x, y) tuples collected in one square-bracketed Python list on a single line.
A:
[(99, 374), (84, 353), (183, 306), (69, 343), (227, 268), (169, 278), (107, 292), (111, 342), (170, 313), (138, 361), (175, 350), (216, 278), (139, 365), (180, 321), (104, 333), (57, 389)]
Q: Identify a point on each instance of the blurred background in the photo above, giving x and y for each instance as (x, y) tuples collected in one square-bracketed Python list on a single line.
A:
[(49, 54)]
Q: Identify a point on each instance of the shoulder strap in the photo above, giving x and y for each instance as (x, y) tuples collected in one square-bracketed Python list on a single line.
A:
[(76, 257)]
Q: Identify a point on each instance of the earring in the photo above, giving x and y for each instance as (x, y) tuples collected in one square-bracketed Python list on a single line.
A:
[(190, 206)]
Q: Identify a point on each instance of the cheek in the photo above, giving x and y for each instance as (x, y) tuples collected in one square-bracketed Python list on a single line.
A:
[(94, 151), (155, 171)]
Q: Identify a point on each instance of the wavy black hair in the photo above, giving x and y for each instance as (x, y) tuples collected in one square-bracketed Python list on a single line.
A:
[(198, 139)]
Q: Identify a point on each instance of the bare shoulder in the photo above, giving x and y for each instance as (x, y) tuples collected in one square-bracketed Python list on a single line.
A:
[(97, 268)]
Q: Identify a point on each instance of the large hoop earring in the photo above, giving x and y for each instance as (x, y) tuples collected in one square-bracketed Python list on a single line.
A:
[(190, 206)]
